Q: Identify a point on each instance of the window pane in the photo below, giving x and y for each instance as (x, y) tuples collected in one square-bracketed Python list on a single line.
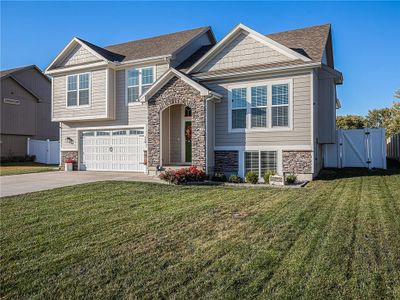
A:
[(258, 117), (133, 94), (239, 98), (119, 132), (145, 88), (88, 133), (238, 118), (84, 97), (71, 101), (188, 111), (102, 133), (280, 116), (280, 94), (72, 83), (251, 162), (268, 161), (133, 77), (84, 81), (147, 76), (259, 96)]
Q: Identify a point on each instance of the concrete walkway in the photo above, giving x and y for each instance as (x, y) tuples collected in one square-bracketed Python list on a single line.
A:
[(26, 183)]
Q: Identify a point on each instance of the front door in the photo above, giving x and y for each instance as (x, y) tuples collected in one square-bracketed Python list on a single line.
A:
[(188, 141)]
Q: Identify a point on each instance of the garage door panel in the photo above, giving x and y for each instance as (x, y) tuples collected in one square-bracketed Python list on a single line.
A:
[(114, 150)]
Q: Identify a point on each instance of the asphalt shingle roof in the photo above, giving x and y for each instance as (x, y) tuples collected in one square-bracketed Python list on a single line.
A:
[(165, 44), (309, 41)]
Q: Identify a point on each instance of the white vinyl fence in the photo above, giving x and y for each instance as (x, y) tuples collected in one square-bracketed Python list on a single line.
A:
[(46, 152), (363, 148)]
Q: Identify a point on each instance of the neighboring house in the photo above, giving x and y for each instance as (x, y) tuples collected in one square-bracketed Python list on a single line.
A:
[(25, 109), (249, 102)]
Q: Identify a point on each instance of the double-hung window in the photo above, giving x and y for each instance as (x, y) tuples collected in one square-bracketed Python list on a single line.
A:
[(239, 108), (280, 105), (260, 106), (139, 80), (78, 89)]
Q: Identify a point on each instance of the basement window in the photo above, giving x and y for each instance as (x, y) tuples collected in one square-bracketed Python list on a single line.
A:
[(260, 162)]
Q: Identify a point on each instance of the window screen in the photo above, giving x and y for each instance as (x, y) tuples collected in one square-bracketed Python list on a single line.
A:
[(259, 106), (280, 105), (239, 108)]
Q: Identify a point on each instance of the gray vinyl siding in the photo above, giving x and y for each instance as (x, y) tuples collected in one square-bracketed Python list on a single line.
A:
[(210, 135), (125, 115), (36, 82), (326, 124), (79, 55), (14, 145), (21, 118), (98, 98), (242, 51), (68, 131), (300, 135)]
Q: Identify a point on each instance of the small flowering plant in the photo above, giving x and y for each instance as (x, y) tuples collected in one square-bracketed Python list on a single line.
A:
[(69, 161), (183, 175)]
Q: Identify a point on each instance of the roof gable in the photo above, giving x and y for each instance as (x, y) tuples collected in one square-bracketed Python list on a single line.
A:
[(74, 53), (242, 31), (171, 73)]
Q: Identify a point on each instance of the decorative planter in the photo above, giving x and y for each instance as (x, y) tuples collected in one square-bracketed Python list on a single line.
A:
[(69, 167)]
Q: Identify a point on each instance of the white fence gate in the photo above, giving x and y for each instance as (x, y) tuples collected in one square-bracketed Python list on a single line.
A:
[(46, 152), (364, 148)]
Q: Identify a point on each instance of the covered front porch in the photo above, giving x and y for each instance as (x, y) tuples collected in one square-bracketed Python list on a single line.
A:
[(176, 136)]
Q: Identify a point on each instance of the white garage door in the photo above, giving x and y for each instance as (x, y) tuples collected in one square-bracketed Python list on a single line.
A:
[(113, 150)]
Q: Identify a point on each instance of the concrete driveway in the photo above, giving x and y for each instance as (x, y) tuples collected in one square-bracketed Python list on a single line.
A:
[(26, 183)]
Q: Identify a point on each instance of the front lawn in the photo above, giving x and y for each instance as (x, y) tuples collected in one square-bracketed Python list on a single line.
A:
[(24, 168), (335, 239)]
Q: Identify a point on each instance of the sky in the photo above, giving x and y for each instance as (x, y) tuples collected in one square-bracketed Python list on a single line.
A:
[(366, 35)]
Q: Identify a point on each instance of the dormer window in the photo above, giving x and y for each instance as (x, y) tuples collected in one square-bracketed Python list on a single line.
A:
[(138, 81), (78, 90)]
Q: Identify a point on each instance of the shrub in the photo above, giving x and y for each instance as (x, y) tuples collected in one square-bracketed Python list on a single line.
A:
[(69, 161), (183, 175), (219, 177), (291, 178), (267, 175), (235, 179), (251, 177), (11, 158)]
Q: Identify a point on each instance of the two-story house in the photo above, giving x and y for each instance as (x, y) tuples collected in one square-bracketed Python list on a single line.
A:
[(25, 110), (248, 102)]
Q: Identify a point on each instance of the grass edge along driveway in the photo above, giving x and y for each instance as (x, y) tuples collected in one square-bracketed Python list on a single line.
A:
[(337, 238), (25, 168)]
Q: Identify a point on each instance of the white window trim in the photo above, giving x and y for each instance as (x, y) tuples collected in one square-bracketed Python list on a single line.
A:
[(77, 90), (269, 127), (260, 175), (138, 102)]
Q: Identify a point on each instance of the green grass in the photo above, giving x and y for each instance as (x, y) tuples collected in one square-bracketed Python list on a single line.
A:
[(24, 168), (338, 238)]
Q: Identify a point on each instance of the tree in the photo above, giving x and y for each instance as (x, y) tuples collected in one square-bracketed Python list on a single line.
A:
[(379, 118), (394, 124), (350, 122), (397, 94)]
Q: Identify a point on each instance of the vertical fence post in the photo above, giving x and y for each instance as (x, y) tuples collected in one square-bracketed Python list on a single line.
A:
[(47, 151), (28, 146)]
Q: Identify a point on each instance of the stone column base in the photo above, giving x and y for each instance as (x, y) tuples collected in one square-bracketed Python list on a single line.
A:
[(69, 155)]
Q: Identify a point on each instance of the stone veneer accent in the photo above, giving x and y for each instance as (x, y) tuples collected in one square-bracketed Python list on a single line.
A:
[(297, 162), (226, 161), (176, 91), (69, 155)]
